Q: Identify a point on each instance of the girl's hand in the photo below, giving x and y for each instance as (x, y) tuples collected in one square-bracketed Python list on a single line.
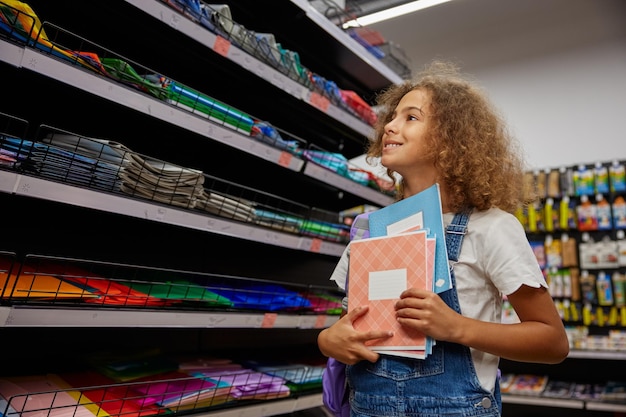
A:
[(342, 342), (425, 311)]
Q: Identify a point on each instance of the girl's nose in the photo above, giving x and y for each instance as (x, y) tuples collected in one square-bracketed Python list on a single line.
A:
[(390, 127)]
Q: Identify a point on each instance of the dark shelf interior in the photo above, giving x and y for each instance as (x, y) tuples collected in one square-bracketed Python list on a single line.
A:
[(166, 51)]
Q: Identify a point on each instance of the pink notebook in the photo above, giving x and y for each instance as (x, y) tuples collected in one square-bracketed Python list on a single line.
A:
[(38, 396), (380, 269), (174, 389)]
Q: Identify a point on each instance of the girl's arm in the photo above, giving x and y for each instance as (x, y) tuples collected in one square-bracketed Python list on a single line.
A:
[(342, 342), (539, 337)]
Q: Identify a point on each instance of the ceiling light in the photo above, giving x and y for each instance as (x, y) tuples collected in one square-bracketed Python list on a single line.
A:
[(392, 12)]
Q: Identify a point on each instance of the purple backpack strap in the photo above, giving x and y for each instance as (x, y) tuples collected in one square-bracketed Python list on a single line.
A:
[(335, 393), (360, 228)]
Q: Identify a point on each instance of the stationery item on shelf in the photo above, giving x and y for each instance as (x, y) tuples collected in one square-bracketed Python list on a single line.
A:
[(222, 18), (103, 396), (123, 72), (618, 208), (539, 249), (133, 185), (362, 109), (567, 214), (337, 163), (181, 290), (535, 219), (603, 213), (265, 132), (608, 253), (166, 172), (583, 181), (568, 283), (161, 181), (71, 167), (604, 289), (226, 206), (589, 392), (566, 180), (336, 232), (420, 211), (380, 269), (267, 49), (617, 177), (19, 21), (527, 384), (328, 89), (188, 363), (553, 252), (131, 365), (198, 103), (554, 183), (541, 183), (550, 215), (620, 245), (587, 214), (246, 384), (38, 396), (13, 151), (200, 11), (559, 389), (190, 8), (294, 373), (555, 282), (506, 379), (588, 288), (259, 296), (101, 149), (340, 165), (106, 291), (619, 289), (614, 391), (177, 389), (569, 251), (25, 286), (372, 49), (601, 178), (324, 303), (295, 70), (281, 221)]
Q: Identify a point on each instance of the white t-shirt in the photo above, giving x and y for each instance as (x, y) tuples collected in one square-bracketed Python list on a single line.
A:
[(495, 260)]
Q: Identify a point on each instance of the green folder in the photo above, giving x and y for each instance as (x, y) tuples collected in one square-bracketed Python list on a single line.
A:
[(195, 101), (181, 290)]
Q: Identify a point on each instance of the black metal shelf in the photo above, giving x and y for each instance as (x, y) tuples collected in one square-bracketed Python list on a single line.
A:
[(59, 219)]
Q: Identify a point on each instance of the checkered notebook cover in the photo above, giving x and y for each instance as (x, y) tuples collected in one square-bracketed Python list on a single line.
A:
[(380, 269)]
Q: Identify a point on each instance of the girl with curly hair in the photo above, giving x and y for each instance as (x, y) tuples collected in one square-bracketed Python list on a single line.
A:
[(441, 128)]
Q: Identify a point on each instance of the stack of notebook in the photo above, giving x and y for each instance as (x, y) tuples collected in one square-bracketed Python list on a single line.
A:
[(406, 249)]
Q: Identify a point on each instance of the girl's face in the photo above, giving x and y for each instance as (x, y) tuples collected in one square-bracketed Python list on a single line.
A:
[(404, 139)]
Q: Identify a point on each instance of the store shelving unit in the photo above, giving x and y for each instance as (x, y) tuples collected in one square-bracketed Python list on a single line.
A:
[(582, 366), (594, 366), (62, 219)]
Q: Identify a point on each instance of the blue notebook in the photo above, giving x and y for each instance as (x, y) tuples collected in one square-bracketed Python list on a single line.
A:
[(423, 211)]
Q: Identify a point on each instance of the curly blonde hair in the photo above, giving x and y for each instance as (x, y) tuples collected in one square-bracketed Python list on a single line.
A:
[(478, 161)]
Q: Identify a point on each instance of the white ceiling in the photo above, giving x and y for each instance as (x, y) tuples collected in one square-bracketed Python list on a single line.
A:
[(487, 33), (524, 50)]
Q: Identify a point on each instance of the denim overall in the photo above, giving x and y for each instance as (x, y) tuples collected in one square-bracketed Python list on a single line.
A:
[(443, 384)]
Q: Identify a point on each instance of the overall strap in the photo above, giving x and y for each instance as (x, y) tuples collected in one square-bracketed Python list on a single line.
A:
[(455, 232)]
